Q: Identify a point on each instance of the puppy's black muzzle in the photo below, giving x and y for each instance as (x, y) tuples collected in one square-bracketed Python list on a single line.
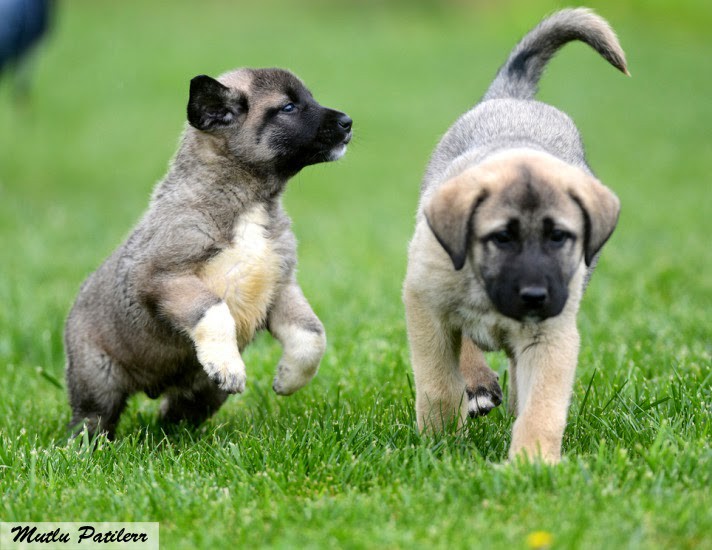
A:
[(336, 128), (529, 288), (345, 122), (530, 302), (533, 297)]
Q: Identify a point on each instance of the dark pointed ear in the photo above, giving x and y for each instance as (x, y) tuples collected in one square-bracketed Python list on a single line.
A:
[(600, 209), (209, 104), (449, 215)]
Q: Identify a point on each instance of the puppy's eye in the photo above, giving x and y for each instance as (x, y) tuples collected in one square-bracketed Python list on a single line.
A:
[(288, 108), (558, 237), (502, 238)]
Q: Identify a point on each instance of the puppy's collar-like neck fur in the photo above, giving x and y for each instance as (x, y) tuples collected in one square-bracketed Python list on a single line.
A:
[(211, 164)]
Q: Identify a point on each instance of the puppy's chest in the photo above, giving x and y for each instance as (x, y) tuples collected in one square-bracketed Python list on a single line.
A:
[(482, 328), (491, 331), (247, 273)]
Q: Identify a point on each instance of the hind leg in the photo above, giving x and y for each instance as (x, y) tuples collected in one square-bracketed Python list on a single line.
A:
[(193, 404), (96, 393)]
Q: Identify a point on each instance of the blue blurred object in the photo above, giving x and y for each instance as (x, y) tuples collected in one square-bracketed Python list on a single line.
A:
[(22, 24)]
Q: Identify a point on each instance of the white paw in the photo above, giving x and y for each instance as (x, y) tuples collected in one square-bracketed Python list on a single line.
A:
[(483, 400), (216, 347), (225, 369)]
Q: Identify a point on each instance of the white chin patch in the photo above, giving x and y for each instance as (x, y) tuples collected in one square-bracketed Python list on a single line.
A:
[(337, 152)]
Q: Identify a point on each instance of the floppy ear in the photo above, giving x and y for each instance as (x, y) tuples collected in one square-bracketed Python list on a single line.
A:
[(600, 209), (449, 214), (209, 104)]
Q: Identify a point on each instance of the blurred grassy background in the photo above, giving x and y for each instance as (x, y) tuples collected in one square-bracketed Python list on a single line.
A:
[(79, 159), (77, 162)]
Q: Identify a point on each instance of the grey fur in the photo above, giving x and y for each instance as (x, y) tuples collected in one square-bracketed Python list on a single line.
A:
[(130, 327), (508, 117), (519, 76)]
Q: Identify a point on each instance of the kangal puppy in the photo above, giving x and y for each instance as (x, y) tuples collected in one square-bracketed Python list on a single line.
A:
[(211, 262), (509, 227)]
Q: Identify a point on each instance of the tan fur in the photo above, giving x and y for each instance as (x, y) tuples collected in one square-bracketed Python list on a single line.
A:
[(444, 305), (440, 388), (238, 79), (246, 274), (509, 228), (512, 400), (455, 197), (180, 294), (473, 366)]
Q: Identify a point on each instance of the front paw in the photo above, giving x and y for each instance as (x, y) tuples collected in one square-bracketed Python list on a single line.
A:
[(217, 351), (290, 379), (302, 354), (482, 399), (227, 371)]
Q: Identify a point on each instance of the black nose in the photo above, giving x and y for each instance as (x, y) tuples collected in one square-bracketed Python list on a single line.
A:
[(533, 296), (345, 121)]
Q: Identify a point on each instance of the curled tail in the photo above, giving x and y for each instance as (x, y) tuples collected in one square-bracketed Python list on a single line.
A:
[(519, 76)]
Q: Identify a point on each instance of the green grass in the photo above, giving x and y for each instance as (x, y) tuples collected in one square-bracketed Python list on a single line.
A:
[(340, 464)]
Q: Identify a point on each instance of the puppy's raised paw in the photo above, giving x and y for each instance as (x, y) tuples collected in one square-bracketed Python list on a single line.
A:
[(226, 370), (482, 400), (217, 350), (290, 379), (228, 380), (304, 346)]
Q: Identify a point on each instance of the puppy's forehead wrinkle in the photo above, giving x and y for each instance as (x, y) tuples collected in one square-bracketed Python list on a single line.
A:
[(526, 192), (524, 173), (264, 82), (529, 199)]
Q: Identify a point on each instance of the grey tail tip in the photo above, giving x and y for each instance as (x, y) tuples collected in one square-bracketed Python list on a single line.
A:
[(519, 76)]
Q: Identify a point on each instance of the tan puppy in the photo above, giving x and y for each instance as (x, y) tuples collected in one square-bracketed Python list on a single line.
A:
[(509, 228)]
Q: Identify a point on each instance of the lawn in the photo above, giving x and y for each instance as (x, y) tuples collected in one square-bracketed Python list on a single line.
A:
[(340, 464)]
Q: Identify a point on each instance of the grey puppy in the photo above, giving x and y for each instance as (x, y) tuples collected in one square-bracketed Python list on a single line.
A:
[(211, 262), (509, 227)]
